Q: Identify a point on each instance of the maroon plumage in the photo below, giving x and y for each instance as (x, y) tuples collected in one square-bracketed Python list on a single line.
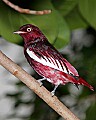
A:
[(46, 60)]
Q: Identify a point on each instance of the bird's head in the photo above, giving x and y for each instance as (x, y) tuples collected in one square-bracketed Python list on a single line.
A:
[(29, 32)]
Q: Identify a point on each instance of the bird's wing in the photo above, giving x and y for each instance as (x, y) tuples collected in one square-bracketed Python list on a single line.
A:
[(47, 55)]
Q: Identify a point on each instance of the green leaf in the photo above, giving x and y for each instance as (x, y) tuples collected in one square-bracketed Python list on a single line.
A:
[(89, 61), (91, 112), (88, 10), (75, 20), (63, 33), (64, 6)]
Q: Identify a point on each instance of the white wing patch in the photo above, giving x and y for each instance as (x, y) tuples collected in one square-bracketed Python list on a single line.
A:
[(47, 61)]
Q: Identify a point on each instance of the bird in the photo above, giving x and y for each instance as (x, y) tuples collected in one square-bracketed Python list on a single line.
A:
[(46, 60)]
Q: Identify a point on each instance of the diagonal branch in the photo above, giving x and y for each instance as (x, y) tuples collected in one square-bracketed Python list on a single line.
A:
[(42, 92), (27, 11)]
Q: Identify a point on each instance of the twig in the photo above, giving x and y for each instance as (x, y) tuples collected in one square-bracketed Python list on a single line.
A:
[(42, 92), (27, 11)]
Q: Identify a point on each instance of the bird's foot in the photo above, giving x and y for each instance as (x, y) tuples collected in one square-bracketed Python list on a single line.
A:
[(40, 81), (52, 93)]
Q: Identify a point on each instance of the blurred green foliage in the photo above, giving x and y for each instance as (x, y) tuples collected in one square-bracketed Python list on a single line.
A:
[(66, 16)]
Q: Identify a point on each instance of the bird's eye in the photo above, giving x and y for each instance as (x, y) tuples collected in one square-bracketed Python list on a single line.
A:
[(29, 29)]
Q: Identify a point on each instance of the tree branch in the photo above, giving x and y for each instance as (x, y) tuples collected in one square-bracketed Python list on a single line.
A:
[(27, 11), (42, 92)]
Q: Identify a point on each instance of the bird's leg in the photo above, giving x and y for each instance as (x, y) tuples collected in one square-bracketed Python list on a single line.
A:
[(40, 81), (53, 91)]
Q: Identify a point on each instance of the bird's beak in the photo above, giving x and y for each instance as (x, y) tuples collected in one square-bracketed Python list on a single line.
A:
[(19, 32)]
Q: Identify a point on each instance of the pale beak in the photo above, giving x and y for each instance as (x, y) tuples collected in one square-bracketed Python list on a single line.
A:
[(19, 32)]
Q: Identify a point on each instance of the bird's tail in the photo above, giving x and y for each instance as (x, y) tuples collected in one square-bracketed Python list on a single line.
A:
[(76, 80), (81, 81)]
